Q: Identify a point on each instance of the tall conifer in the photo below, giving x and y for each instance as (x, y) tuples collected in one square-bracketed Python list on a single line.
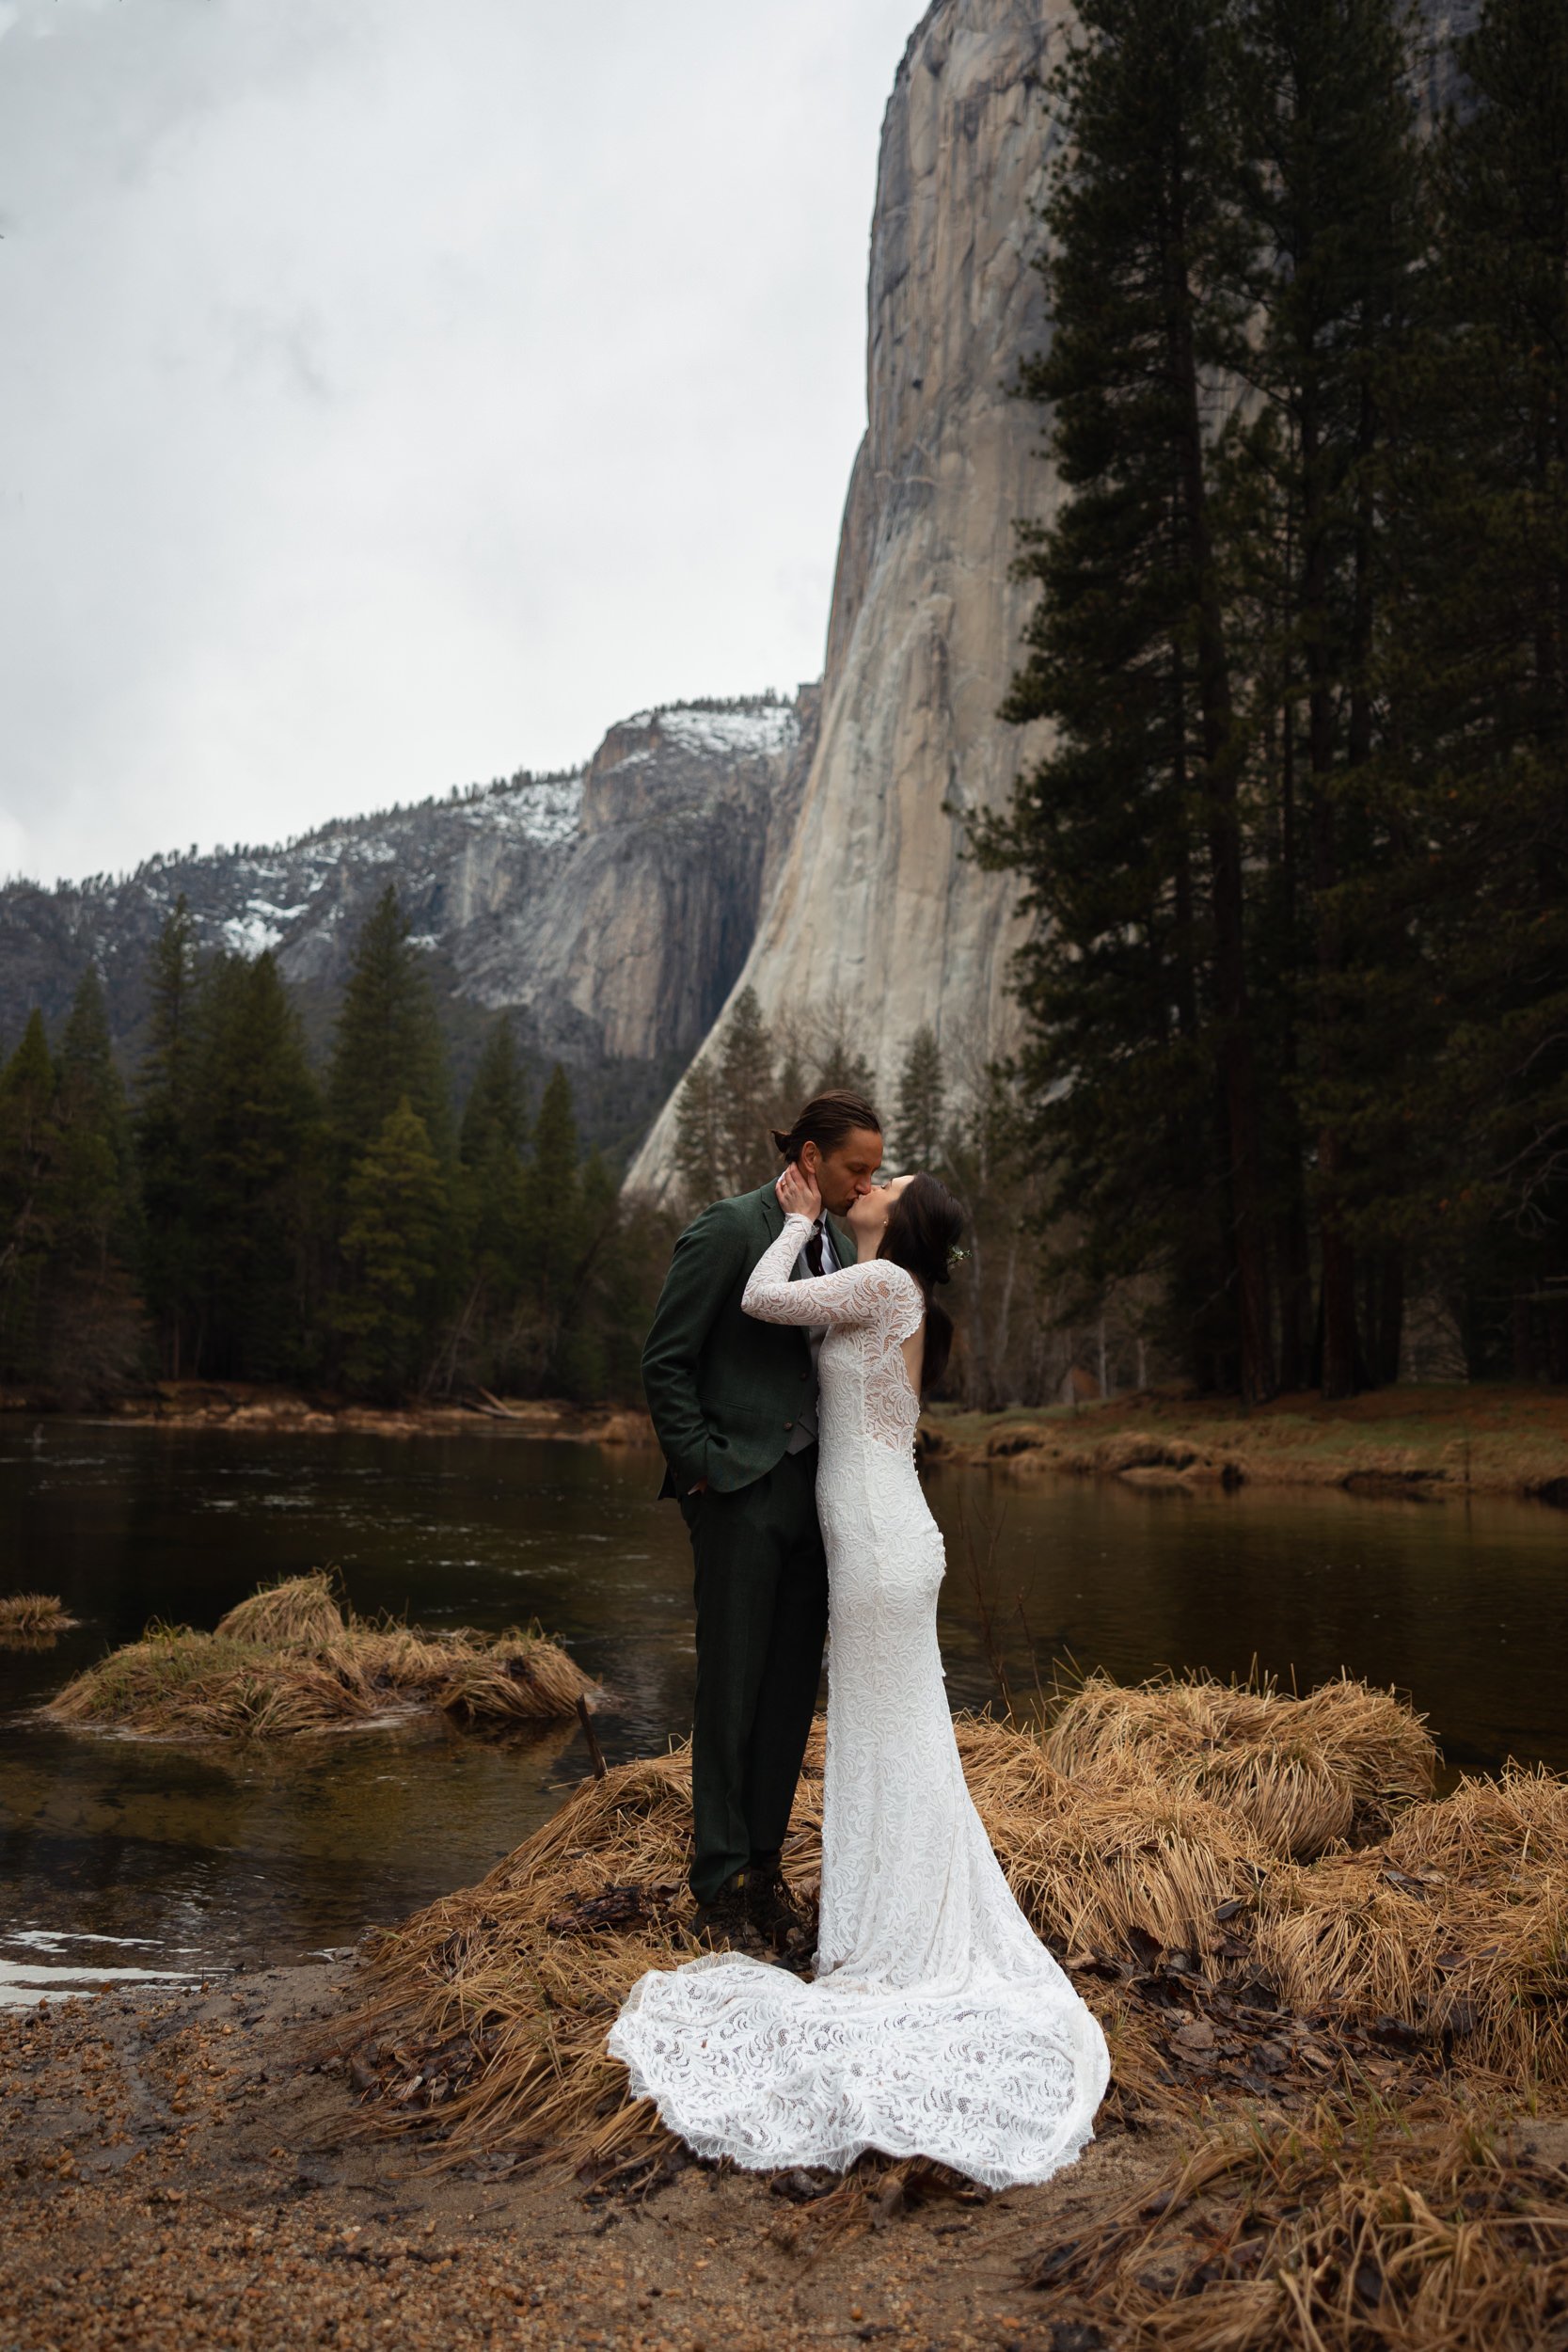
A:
[(166, 1143), (388, 1312), (919, 1131), (388, 1041), (1329, 179), (1129, 832), (29, 1151), (256, 1136)]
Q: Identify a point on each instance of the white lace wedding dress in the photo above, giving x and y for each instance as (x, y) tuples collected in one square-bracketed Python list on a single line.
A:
[(937, 2023)]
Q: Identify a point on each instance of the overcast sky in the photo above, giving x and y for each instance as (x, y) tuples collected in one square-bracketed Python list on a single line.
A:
[(398, 391)]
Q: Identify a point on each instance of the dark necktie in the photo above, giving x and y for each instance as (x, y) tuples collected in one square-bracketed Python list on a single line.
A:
[(814, 1249)]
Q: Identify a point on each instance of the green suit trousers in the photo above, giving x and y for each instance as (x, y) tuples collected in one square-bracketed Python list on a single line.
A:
[(762, 1618)]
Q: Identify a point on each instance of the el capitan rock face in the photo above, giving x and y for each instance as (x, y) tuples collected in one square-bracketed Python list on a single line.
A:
[(874, 902)]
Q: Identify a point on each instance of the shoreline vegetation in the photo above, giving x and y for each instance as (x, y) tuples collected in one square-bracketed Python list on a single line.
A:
[(290, 1661), (1432, 1443), (1335, 2003), (33, 1620)]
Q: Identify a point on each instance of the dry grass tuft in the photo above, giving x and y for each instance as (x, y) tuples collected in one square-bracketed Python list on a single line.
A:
[(1457, 1925), (1301, 1773), (26, 1619), (301, 1612), (1096, 1862), (288, 1661), (488, 2013), (1350, 2229)]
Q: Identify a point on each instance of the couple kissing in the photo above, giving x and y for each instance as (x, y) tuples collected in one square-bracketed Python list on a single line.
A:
[(796, 1333)]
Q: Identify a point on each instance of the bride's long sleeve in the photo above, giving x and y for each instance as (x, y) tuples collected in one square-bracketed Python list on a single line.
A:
[(874, 1292)]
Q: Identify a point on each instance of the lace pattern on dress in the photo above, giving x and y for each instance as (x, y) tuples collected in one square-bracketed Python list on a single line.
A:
[(880, 1302)]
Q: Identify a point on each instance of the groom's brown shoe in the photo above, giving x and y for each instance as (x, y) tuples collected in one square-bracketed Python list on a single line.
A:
[(727, 1919), (775, 1915)]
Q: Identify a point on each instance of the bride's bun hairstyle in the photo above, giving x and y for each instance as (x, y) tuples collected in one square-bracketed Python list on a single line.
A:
[(922, 1228), (827, 1121)]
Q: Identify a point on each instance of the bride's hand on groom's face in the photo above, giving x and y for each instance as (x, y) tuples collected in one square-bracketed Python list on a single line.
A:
[(797, 1195)]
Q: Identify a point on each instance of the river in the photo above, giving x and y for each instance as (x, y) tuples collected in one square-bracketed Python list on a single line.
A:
[(133, 1855)]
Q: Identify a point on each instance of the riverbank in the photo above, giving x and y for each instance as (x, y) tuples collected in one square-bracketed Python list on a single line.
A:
[(250, 1405), (423, 2142), (186, 2172), (1434, 1443)]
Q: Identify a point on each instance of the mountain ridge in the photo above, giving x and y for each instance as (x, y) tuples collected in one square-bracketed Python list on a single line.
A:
[(606, 907)]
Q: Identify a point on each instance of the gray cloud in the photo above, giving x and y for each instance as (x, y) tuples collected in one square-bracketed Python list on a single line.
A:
[(397, 394)]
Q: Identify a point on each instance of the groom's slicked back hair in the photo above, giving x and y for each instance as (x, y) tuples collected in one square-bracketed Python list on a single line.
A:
[(828, 1121)]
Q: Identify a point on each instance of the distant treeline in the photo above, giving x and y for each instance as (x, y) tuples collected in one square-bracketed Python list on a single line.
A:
[(1297, 1000), (235, 1216)]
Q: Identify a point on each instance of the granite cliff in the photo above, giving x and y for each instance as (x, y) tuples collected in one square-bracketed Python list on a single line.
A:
[(875, 901), (609, 908)]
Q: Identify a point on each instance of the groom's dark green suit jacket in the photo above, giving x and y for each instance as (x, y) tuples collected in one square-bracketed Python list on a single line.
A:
[(723, 1388)]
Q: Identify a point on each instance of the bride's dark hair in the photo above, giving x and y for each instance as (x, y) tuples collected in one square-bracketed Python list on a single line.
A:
[(922, 1228)]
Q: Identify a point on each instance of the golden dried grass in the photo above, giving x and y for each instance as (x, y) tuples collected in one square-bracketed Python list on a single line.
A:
[(487, 2013), (289, 1661), (1457, 1925), (483, 2019), (299, 1613), (1301, 1773), (1346, 2230), (489, 2009), (1097, 1861), (26, 1619)]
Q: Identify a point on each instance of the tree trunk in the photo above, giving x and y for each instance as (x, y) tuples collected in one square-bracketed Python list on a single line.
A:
[(1337, 1303), (1237, 1070)]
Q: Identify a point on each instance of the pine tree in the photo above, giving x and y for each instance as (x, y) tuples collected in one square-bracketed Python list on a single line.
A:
[(95, 1126), (918, 1137), (1140, 1052), (840, 1065), (256, 1136), (166, 1144), (748, 1095), (552, 1197), (702, 1141), (495, 1114), (1326, 122), (29, 1151), (388, 1042), (555, 1230), (388, 1315), (1475, 660), (95, 1321), (494, 1210)]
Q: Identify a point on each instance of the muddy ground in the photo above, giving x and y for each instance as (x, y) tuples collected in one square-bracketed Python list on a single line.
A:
[(187, 2171)]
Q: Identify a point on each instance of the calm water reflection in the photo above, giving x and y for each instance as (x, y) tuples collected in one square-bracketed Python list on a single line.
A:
[(201, 1857)]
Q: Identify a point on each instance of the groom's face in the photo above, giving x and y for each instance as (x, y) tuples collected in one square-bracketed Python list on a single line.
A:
[(846, 1171)]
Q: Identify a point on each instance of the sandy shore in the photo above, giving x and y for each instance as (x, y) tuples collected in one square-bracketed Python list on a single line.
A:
[(184, 2172)]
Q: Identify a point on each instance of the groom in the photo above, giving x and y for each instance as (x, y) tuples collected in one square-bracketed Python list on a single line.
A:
[(733, 1405)]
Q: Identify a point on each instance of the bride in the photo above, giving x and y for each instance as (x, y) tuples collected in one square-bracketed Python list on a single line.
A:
[(937, 2024)]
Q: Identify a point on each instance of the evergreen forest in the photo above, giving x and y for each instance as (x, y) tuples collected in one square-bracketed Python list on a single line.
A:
[(1295, 1067), (237, 1215)]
